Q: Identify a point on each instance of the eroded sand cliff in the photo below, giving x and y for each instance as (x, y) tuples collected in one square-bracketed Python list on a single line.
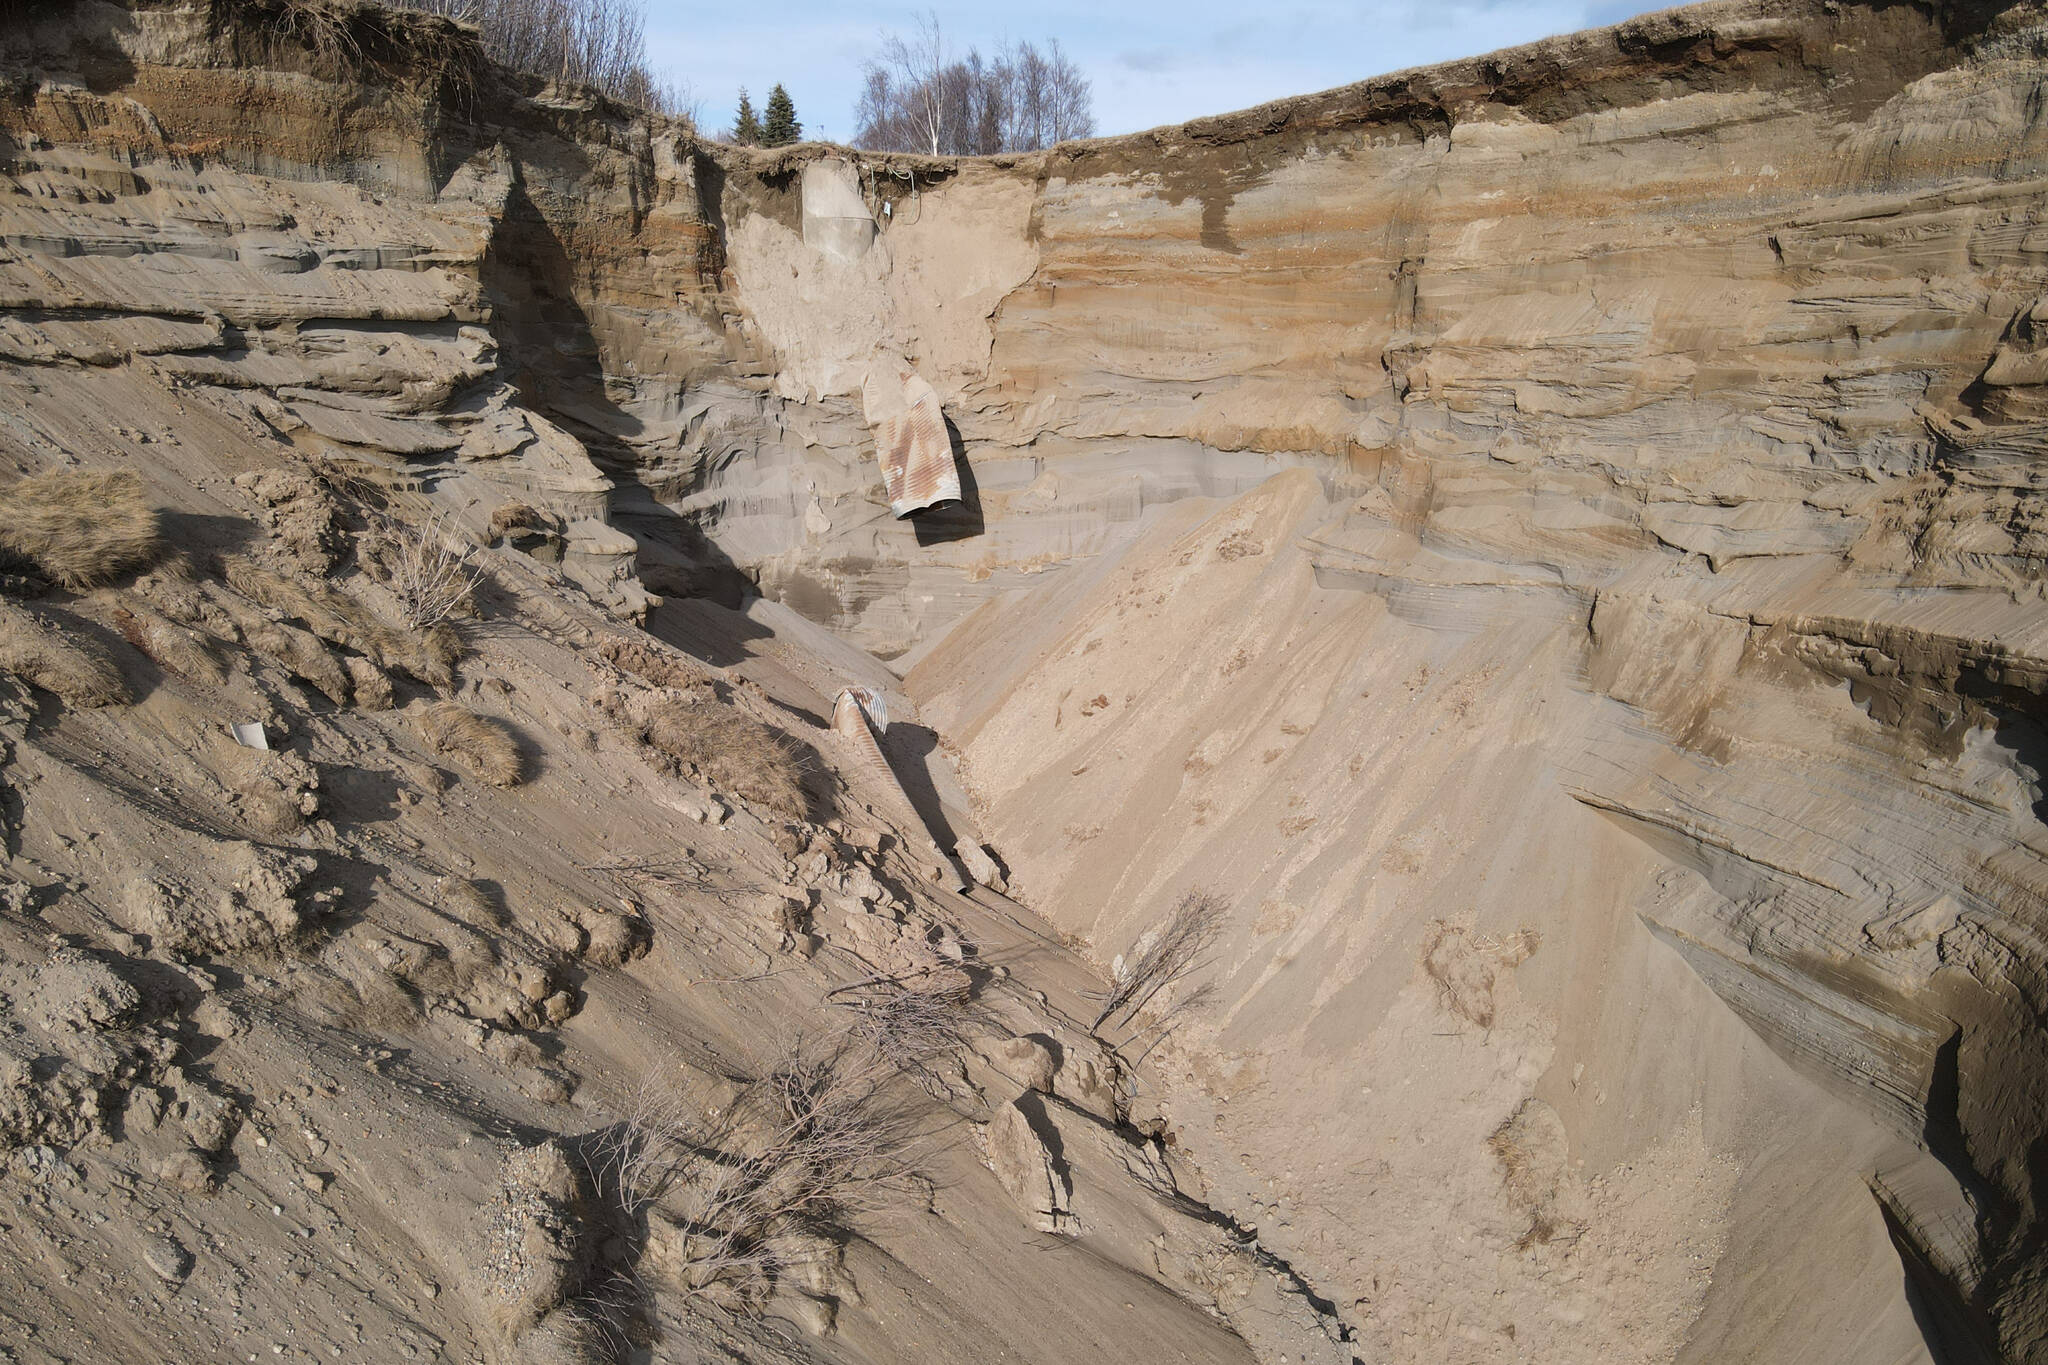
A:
[(1553, 541)]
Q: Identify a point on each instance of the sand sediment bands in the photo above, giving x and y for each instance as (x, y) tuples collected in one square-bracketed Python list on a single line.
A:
[(1555, 540)]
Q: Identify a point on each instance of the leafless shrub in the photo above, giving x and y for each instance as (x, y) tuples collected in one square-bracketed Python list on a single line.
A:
[(598, 43), (79, 529), (483, 743), (744, 1190), (73, 667), (430, 567), (1164, 957), (914, 1028), (733, 753), (1139, 1046), (427, 652), (639, 1157)]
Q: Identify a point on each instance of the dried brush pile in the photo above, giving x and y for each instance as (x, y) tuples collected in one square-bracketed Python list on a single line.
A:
[(427, 652), (919, 1030)]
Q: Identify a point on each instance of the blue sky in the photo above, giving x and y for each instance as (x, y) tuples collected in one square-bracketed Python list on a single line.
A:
[(1152, 63)]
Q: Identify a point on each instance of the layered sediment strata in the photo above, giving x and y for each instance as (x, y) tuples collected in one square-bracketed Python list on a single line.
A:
[(1556, 538)]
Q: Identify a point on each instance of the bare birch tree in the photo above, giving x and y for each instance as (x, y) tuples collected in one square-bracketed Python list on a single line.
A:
[(1023, 98), (598, 43)]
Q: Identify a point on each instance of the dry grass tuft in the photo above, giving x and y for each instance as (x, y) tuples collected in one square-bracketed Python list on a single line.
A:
[(298, 652), (74, 668), (484, 744), (512, 516), (474, 903), (1517, 1162), (78, 528), (433, 655), (370, 684), (429, 566), (734, 754), (428, 654)]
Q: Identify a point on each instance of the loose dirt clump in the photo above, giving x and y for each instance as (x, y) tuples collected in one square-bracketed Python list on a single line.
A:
[(47, 1100), (612, 939), (649, 664), (74, 990), (277, 793), (69, 665), (1465, 966), (535, 1254), (267, 906), (305, 524)]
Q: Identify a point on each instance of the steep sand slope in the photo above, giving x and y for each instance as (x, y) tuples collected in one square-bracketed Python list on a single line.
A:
[(284, 1018), (1553, 541), (1434, 945)]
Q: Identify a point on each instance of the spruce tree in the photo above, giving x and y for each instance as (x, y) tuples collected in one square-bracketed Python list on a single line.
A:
[(779, 128), (746, 128)]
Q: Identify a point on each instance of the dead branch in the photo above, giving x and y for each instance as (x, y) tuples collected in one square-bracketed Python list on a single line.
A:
[(1164, 956)]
